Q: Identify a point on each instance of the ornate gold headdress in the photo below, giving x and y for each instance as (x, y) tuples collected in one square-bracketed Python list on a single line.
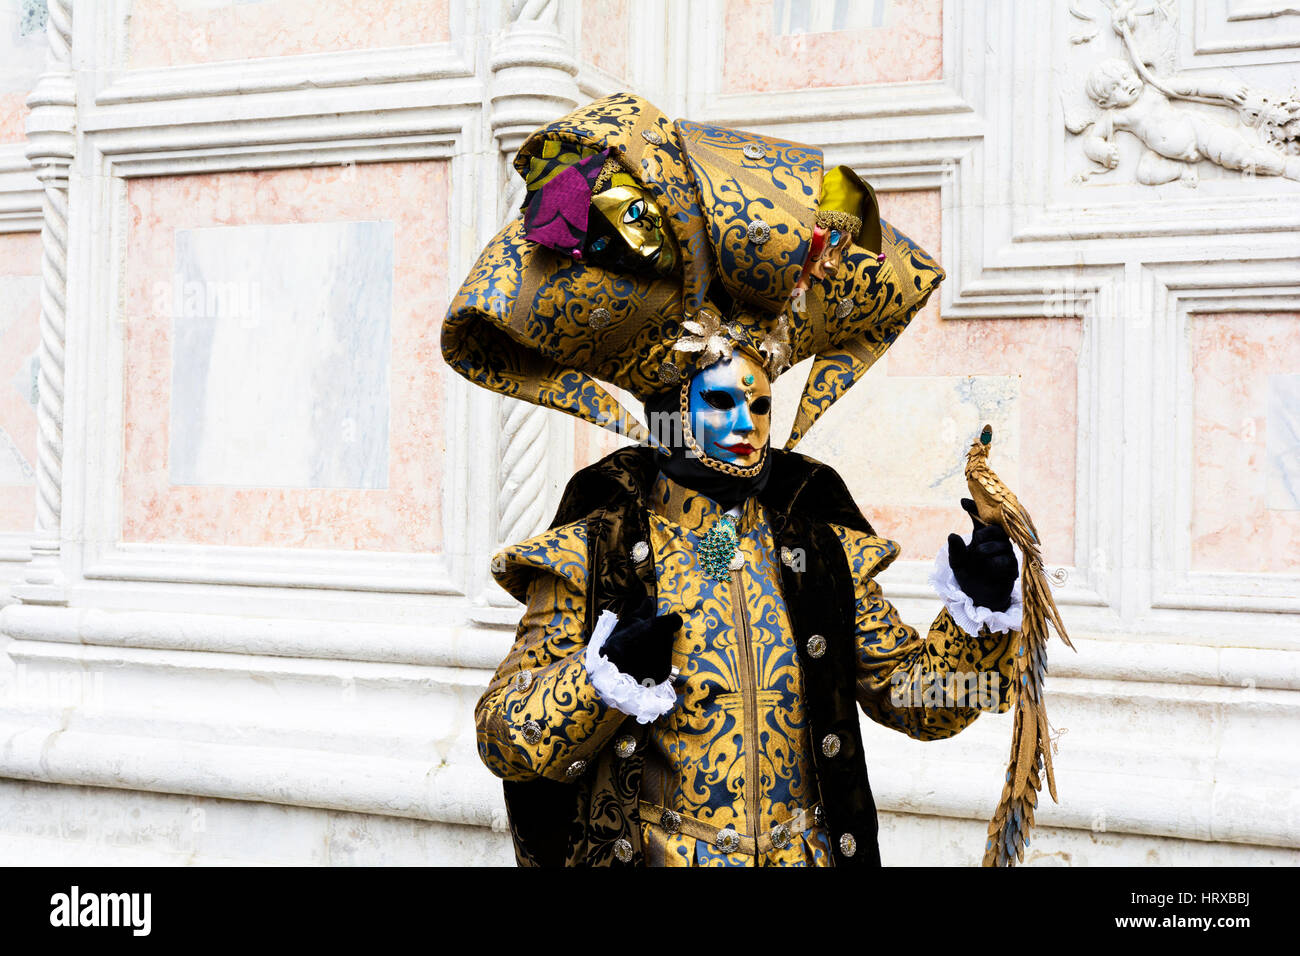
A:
[(547, 328)]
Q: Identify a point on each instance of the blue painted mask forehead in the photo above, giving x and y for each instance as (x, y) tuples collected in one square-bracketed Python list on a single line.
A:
[(730, 407)]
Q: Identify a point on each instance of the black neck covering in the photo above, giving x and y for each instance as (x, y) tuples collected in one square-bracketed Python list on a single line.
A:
[(690, 472)]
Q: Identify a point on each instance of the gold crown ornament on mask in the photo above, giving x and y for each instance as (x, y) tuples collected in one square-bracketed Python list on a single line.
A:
[(647, 249)]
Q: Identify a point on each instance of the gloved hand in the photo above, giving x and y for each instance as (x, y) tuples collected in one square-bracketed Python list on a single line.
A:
[(986, 568), (641, 644)]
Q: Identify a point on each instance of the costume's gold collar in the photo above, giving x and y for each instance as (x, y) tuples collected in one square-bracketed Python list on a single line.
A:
[(694, 511)]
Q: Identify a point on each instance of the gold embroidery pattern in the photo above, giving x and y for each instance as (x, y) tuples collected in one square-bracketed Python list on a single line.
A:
[(735, 751), (904, 678), (557, 695), (546, 329)]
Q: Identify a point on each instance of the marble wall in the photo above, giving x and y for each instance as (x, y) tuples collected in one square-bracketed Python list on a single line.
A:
[(174, 32), (1246, 442), (282, 380), (806, 44), (604, 36), (20, 314)]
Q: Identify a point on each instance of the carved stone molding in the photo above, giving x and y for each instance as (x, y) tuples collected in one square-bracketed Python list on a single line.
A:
[(534, 72)]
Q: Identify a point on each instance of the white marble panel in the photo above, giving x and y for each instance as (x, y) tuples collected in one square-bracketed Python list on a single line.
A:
[(827, 16), (1282, 441), (23, 44), (280, 355)]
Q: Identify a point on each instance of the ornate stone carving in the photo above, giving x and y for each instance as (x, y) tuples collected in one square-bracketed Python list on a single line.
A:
[(533, 72), (1125, 95)]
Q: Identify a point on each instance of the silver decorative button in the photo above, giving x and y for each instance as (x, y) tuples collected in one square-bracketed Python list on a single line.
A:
[(728, 840), (787, 557), (737, 561), (600, 318), (848, 845), (844, 308), (819, 815), (759, 232), (640, 551), (816, 646), (532, 732), (652, 136), (623, 851), (523, 680), (575, 770), (780, 836), (671, 821), (625, 746), (831, 745), (753, 151), (737, 332), (669, 373)]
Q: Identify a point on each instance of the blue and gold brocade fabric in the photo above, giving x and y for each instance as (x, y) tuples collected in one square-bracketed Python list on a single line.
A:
[(735, 751)]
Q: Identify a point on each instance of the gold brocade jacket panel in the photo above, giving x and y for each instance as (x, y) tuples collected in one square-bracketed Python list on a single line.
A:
[(735, 751)]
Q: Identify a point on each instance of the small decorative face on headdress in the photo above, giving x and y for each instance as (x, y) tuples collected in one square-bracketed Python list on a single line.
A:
[(838, 222), (627, 230), (639, 237), (729, 413)]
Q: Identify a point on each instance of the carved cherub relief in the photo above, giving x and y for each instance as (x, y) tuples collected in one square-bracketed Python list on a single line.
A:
[(1175, 139), (1125, 95)]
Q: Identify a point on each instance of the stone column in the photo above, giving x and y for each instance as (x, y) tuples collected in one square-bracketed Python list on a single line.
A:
[(533, 82), (51, 139)]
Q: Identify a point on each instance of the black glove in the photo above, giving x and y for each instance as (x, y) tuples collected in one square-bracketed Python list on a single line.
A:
[(641, 644), (986, 568)]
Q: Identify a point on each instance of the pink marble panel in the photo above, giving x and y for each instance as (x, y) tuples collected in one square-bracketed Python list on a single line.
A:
[(404, 517), (173, 32), (13, 117), (603, 37), (1043, 354), (591, 444), (759, 56), (20, 336), (1233, 526)]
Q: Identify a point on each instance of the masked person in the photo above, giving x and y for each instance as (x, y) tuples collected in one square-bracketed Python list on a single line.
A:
[(702, 621)]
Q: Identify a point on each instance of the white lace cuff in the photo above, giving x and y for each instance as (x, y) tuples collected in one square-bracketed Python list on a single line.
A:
[(621, 690), (968, 615)]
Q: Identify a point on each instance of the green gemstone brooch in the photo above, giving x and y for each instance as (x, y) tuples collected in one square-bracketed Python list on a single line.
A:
[(718, 549)]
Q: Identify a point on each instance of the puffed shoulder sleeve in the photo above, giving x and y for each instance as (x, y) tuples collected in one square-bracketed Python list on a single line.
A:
[(560, 552), (930, 686), (541, 716)]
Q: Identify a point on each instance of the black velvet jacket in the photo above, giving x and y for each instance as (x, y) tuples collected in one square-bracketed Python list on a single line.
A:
[(563, 824)]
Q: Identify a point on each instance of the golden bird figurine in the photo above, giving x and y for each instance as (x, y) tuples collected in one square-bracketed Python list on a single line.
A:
[(1031, 751)]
